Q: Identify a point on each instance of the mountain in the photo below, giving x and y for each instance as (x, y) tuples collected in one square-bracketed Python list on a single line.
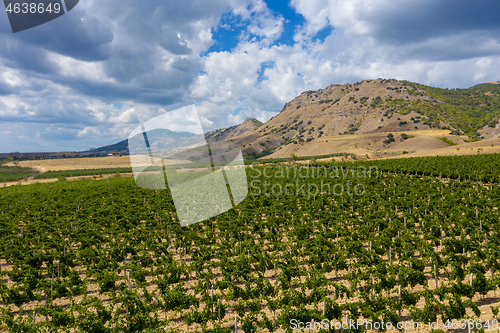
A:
[(371, 117), (328, 120), (121, 147), (164, 142), (158, 139), (165, 139)]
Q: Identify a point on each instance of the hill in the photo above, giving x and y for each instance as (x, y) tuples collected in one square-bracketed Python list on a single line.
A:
[(121, 147), (373, 109), (248, 126)]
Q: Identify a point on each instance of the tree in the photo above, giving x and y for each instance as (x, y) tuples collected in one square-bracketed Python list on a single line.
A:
[(390, 138)]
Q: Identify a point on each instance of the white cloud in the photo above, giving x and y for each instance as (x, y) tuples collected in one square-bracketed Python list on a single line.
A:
[(354, 51), (147, 58)]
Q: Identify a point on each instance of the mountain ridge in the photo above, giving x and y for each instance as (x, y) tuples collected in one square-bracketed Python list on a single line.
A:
[(157, 137), (375, 106), (369, 107)]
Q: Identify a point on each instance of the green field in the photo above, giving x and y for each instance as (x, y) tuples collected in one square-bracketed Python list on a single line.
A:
[(13, 173), (85, 172), (394, 240)]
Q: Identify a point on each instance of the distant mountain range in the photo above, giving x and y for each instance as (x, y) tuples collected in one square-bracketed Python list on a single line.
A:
[(121, 147), (164, 139)]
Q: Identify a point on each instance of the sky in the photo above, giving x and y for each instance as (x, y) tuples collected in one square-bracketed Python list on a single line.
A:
[(89, 77)]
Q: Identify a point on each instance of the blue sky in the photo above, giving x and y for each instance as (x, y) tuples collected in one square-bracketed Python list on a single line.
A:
[(89, 77)]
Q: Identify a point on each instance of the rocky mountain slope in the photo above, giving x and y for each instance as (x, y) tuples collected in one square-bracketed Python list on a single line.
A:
[(373, 109), (248, 126)]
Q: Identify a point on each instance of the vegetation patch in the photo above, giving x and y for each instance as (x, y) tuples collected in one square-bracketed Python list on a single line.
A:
[(405, 136), (352, 128), (448, 141), (14, 173), (466, 109), (390, 138), (85, 172), (376, 102)]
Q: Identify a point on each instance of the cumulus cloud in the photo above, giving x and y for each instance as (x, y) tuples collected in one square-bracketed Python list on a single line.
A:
[(437, 43), (90, 76), (67, 71)]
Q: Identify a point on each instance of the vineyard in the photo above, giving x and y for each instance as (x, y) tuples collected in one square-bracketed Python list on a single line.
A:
[(13, 173), (410, 240), (85, 172)]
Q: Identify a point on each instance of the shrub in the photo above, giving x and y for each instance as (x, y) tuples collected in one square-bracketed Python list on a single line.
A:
[(390, 138), (448, 141), (106, 282)]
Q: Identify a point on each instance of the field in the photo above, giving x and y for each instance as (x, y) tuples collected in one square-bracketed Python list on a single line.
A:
[(419, 143), (85, 163), (413, 240), (13, 173), (78, 163), (49, 170)]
